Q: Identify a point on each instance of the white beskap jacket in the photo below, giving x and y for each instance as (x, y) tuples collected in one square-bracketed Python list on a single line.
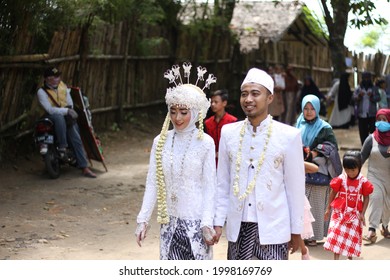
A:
[(280, 187)]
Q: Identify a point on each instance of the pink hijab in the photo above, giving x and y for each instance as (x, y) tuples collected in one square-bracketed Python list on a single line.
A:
[(383, 138)]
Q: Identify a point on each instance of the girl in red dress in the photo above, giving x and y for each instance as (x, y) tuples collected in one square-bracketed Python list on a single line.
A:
[(348, 199)]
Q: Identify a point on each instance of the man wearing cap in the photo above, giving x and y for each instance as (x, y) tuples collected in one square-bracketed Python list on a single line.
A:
[(261, 180), (55, 99)]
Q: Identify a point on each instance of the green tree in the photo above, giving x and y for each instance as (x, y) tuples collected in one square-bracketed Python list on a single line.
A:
[(370, 39), (146, 11), (39, 18), (336, 18)]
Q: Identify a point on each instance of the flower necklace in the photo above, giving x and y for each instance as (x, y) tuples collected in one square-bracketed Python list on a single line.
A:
[(251, 186), (162, 212)]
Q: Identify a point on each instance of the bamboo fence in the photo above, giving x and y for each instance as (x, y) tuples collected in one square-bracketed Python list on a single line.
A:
[(120, 67)]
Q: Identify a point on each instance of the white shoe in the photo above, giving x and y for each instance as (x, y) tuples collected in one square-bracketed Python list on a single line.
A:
[(43, 149)]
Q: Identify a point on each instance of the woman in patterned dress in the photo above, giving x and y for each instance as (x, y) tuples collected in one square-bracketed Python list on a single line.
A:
[(315, 132), (182, 176), (349, 200)]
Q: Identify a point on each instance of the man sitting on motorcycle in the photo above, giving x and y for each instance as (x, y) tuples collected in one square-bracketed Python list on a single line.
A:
[(55, 99)]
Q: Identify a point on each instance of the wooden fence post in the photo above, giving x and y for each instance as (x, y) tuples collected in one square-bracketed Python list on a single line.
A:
[(122, 89)]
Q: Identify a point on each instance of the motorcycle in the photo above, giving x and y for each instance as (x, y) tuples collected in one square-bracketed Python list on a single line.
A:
[(44, 137)]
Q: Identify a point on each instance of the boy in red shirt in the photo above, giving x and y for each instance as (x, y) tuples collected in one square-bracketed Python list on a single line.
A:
[(213, 125)]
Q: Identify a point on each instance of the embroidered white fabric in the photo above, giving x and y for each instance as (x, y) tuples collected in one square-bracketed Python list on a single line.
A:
[(278, 197), (190, 185)]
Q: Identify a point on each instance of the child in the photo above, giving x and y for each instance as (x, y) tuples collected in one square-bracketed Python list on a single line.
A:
[(213, 125), (348, 198), (307, 216)]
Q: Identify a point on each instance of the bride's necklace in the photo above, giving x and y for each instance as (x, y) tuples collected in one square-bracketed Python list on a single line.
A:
[(251, 186), (174, 195)]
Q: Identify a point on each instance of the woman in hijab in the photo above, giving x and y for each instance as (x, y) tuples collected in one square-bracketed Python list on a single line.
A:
[(317, 135), (310, 87), (182, 175), (342, 111), (376, 149)]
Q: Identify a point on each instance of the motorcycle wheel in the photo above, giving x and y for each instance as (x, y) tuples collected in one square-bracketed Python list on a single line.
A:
[(52, 163)]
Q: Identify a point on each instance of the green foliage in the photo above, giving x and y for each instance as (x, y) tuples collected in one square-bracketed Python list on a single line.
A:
[(204, 16), (147, 46), (314, 23), (36, 17), (130, 118), (41, 18), (115, 127), (146, 11), (370, 39), (200, 18), (363, 12)]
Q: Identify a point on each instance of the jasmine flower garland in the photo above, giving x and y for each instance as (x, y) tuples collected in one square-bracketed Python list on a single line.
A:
[(188, 96), (251, 186), (162, 213)]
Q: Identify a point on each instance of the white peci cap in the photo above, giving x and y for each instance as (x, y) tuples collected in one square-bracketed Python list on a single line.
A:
[(260, 77)]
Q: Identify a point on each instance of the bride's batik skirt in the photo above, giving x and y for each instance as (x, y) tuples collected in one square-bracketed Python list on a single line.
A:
[(182, 239)]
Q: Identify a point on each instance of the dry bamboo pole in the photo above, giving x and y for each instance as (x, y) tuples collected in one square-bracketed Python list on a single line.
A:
[(23, 58), (14, 122), (21, 65), (24, 133), (63, 59)]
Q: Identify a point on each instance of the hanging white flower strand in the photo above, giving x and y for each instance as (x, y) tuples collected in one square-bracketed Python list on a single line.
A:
[(251, 186), (162, 212)]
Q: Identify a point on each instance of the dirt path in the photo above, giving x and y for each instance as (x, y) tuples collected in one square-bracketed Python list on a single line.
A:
[(75, 217), (90, 219)]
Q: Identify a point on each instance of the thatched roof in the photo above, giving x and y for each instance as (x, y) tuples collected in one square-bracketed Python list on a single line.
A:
[(255, 21), (267, 21)]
